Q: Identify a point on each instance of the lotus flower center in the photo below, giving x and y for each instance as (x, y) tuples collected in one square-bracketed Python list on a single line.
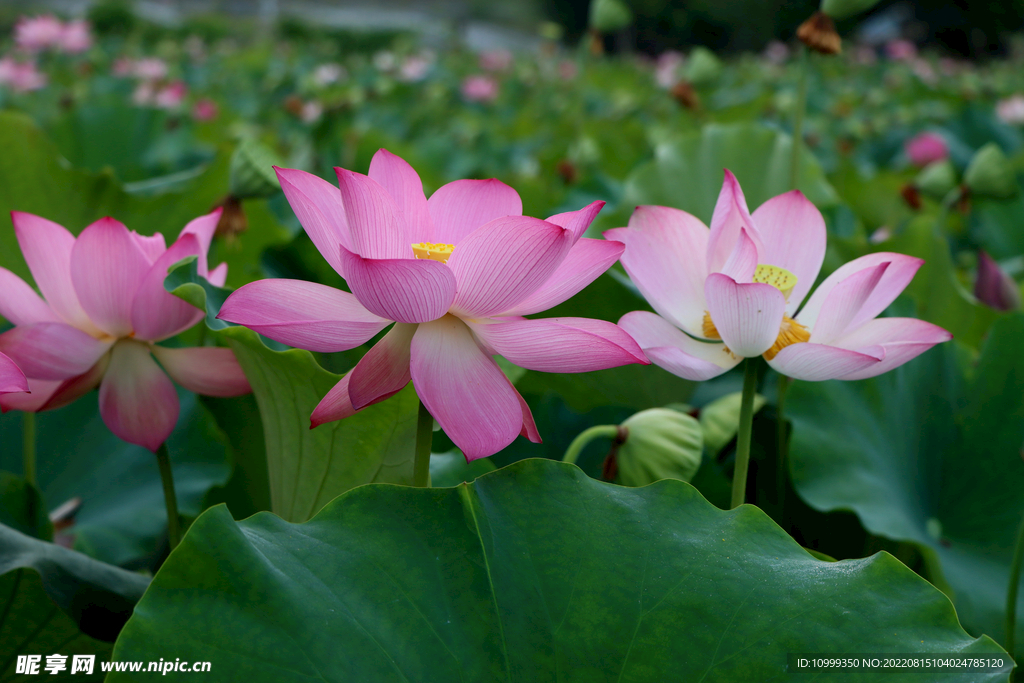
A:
[(790, 332), (779, 278), (434, 252)]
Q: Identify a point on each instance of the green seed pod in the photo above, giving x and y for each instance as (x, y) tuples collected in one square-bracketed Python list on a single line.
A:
[(607, 16), (661, 443), (252, 173), (990, 174), (936, 179), (841, 9), (720, 420), (704, 67)]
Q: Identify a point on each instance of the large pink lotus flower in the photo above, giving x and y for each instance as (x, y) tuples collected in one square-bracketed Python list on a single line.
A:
[(12, 379), (38, 33), (456, 274), (742, 283), (105, 306)]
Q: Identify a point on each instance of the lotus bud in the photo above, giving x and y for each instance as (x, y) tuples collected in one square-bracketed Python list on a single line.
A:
[(994, 287), (703, 67), (990, 174), (842, 9), (660, 443), (252, 171), (719, 420), (926, 148), (608, 16), (819, 34), (937, 179)]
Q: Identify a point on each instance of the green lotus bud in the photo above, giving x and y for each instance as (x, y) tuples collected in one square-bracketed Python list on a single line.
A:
[(720, 420), (841, 9), (607, 16), (704, 67), (660, 443), (252, 173), (990, 174), (936, 179)]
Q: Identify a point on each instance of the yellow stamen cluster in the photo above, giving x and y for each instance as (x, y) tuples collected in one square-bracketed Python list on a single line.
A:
[(434, 252), (790, 332), (779, 278)]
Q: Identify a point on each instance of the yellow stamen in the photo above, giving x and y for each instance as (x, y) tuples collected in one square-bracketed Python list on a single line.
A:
[(434, 252), (779, 278), (790, 332), (711, 332)]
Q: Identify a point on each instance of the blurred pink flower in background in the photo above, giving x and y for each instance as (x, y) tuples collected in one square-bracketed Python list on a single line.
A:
[(103, 308), (480, 89), (567, 70), (38, 33), (311, 111), (144, 94), (901, 50), (925, 71), (776, 52), (1011, 110), (924, 148), (21, 76), (171, 96), (496, 60), (76, 37), (865, 55), (666, 70), (149, 69), (205, 110), (414, 68), (327, 74)]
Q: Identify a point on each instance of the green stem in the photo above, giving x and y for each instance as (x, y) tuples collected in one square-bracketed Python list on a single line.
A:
[(163, 460), (424, 439), (28, 445), (1011, 592), (782, 447), (798, 119), (585, 437), (739, 477)]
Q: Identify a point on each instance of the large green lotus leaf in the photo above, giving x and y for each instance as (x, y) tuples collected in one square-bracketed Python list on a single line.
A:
[(22, 507), (122, 519), (308, 467), (33, 179), (939, 296), (928, 453), (98, 597), (534, 573), (687, 172), (33, 624), (996, 226)]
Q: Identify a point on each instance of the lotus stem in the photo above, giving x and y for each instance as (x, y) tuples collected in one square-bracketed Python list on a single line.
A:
[(28, 445), (739, 477), (585, 437), (798, 119), (1011, 591), (163, 460), (424, 439), (782, 444)]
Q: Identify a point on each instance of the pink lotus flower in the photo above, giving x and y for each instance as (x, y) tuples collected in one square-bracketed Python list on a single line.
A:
[(455, 274), (105, 306), (480, 89), (171, 96), (33, 34), (21, 76), (205, 110), (496, 60), (150, 69), (12, 379), (1011, 110), (75, 37), (926, 148), (742, 283), (414, 68), (994, 287)]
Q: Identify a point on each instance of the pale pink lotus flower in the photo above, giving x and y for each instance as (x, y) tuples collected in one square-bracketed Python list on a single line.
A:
[(666, 71), (171, 95), (12, 379), (327, 74), (311, 111), (144, 94), (21, 76), (123, 66), (205, 110), (34, 34), (742, 283), (75, 37), (1011, 110), (150, 69), (480, 89), (414, 68), (103, 308), (496, 60), (926, 148), (456, 274)]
